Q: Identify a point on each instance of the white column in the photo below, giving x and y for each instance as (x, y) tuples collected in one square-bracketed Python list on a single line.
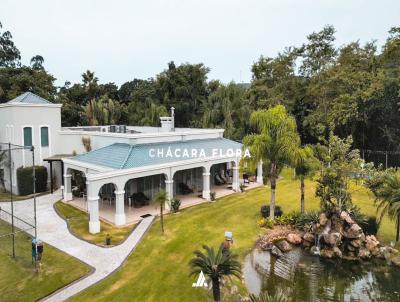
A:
[(67, 187), (260, 173), (169, 188), (93, 208), (206, 186), (235, 179), (119, 218)]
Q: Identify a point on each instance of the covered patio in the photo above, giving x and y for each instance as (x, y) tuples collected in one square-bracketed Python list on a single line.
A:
[(122, 179)]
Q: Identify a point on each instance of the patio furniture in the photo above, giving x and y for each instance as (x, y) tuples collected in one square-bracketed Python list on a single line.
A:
[(184, 188), (246, 178), (138, 200)]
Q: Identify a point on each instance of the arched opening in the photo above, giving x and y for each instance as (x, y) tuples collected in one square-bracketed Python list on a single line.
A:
[(189, 181), (139, 192), (107, 201)]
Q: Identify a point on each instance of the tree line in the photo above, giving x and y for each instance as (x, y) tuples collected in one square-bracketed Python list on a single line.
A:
[(352, 90)]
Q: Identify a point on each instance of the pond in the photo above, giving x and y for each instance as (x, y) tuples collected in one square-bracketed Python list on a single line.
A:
[(304, 277)]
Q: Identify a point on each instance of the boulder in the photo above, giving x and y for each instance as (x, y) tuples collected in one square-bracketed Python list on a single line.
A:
[(266, 246), (337, 225), (396, 261), (346, 217), (323, 219), (309, 237), (356, 243), (351, 248), (327, 253), (372, 245), (337, 251), (332, 239), (284, 246), (293, 238), (353, 232), (363, 253), (276, 252)]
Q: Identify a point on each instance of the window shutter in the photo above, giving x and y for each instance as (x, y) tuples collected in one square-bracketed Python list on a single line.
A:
[(27, 136), (44, 134)]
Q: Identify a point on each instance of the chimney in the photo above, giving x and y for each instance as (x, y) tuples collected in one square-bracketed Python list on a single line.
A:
[(168, 122)]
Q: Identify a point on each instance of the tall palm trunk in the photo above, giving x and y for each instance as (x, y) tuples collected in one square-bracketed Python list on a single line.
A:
[(162, 218), (302, 206), (216, 291), (273, 188), (398, 228)]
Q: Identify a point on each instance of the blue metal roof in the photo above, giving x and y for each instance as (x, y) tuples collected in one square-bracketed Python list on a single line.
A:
[(125, 156), (29, 98)]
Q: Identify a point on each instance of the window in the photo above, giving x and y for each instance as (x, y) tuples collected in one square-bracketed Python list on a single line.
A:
[(27, 136), (44, 136)]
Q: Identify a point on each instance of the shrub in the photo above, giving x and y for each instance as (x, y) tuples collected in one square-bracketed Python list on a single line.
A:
[(306, 220), (369, 225), (265, 223), (25, 183), (212, 196), (242, 187), (265, 211), (286, 219), (175, 204)]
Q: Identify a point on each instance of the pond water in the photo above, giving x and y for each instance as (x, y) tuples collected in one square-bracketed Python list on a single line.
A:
[(304, 277)]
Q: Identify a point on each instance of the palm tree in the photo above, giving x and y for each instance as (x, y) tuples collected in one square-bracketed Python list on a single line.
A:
[(160, 200), (388, 199), (90, 83), (277, 143), (306, 165), (215, 266)]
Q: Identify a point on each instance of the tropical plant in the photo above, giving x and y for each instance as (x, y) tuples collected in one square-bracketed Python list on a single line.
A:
[(265, 297), (215, 265), (388, 199), (87, 143), (213, 195), (306, 166), (90, 84), (306, 220), (160, 200), (277, 143), (175, 204)]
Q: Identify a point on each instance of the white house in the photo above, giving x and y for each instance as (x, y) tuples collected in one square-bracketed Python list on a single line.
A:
[(126, 165)]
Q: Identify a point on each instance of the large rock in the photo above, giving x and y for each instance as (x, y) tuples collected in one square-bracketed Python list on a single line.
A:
[(332, 239), (353, 232), (284, 246), (363, 253), (337, 251), (323, 219), (372, 245), (309, 237), (356, 243), (293, 238), (396, 261), (276, 252), (346, 217), (327, 253)]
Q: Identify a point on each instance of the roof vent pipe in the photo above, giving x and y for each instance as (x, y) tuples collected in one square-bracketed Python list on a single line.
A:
[(173, 119)]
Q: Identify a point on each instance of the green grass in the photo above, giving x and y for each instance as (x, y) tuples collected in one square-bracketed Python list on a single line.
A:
[(18, 279), (158, 269), (78, 222), (5, 196)]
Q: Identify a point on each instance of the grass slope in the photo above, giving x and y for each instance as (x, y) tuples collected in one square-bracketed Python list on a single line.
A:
[(18, 278), (79, 225), (158, 269)]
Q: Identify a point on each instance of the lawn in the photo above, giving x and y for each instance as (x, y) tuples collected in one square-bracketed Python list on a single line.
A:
[(78, 222), (18, 278), (5, 196), (158, 269)]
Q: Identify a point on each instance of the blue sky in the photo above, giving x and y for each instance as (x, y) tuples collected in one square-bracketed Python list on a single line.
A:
[(122, 40)]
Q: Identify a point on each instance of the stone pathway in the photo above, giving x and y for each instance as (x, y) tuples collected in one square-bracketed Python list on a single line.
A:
[(53, 230)]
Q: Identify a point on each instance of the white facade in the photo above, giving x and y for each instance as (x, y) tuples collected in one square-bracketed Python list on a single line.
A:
[(15, 116)]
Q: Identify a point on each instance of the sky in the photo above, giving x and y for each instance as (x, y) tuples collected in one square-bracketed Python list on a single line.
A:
[(122, 40)]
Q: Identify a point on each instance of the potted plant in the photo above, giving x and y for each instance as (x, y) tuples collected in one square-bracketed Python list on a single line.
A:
[(175, 204), (212, 196)]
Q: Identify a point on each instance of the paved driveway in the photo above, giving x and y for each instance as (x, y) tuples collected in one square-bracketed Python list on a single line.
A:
[(53, 230)]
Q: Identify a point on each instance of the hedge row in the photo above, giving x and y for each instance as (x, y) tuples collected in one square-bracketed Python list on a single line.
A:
[(25, 183)]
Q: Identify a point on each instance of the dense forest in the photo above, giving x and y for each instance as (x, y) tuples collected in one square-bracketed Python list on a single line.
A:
[(348, 90)]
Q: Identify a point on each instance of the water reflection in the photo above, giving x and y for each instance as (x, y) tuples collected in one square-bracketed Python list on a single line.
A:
[(304, 277)]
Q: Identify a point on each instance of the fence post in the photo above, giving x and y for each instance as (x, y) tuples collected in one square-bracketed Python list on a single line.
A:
[(11, 200)]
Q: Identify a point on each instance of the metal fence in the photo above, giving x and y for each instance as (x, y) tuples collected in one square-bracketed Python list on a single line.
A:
[(388, 159), (17, 217)]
